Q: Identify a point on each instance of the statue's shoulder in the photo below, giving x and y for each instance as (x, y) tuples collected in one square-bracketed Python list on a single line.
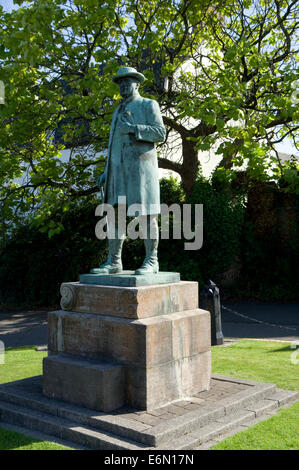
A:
[(148, 102)]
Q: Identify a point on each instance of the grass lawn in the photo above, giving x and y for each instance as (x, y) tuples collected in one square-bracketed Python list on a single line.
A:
[(255, 360), (10, 440), (19, 364), (263, 362), (280, 432)]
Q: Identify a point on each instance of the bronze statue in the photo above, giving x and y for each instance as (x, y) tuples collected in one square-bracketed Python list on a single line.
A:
[(132, 168)]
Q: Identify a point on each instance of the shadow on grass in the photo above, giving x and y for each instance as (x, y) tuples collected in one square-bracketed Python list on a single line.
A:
[(288, 348), (11, 440)]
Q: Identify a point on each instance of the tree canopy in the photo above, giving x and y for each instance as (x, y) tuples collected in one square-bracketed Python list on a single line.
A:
[(57, 59)]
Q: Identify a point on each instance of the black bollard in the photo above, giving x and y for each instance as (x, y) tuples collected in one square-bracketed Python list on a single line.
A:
[(211, 302)]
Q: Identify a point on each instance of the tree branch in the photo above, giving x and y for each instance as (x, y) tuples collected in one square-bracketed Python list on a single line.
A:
[(169, 165), (175, 125)]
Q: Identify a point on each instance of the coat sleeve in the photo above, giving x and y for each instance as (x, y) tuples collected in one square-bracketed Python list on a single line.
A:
[(154, 130)]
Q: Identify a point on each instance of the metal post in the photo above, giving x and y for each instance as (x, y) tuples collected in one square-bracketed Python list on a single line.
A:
[(211, 302)]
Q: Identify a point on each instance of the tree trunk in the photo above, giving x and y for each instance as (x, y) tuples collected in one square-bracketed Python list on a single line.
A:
[(190, 165)]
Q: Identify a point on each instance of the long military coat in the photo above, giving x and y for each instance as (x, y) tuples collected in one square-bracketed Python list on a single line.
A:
[(132, 165)]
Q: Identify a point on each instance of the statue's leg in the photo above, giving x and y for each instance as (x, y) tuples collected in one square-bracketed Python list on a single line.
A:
[(150, 263), (113, 264)]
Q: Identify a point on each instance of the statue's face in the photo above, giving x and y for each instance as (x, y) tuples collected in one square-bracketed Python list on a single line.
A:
[(128, 86)]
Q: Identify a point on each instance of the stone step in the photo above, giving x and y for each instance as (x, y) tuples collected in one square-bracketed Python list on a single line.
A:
[(262, 406), (23, 404), (211, 430), (105, 422), (30, 397), (185, 425), (27, 393), (233, 422), (93, 439), (99, 385), (282, 397), (64, 429)]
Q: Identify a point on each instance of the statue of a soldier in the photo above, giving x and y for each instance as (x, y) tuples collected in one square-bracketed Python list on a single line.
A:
[(132, 169)]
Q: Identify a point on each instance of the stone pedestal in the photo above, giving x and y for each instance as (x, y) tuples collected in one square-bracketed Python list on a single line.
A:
[(149, 345), (93, 384)]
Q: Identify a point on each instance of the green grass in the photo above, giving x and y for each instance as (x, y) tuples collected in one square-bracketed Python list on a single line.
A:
[(11, 440), (280, 432), (263, 362), (19, 364), (254, 360)]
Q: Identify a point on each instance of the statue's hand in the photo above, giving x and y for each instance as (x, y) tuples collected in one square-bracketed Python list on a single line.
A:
[(101, 180), (125, 127)]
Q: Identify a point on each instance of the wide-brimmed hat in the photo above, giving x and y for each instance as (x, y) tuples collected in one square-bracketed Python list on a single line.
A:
[(128, 72)]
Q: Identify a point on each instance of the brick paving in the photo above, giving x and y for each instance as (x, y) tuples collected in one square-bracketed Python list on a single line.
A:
[(219, 390)]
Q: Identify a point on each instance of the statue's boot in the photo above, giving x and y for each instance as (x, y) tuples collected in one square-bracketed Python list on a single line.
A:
[(113, 264), (150, 263)]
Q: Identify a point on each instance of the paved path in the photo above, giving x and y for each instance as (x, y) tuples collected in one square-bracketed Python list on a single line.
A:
[(24, 328), (279, 321)]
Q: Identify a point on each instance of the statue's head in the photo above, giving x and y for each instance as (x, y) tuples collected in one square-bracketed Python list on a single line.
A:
[(128, 80)]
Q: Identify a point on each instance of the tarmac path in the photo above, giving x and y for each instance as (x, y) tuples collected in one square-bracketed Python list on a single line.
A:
[(261, 320)]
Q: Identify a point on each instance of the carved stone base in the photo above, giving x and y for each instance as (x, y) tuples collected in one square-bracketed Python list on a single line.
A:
[(161, 343), (129, 302)]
